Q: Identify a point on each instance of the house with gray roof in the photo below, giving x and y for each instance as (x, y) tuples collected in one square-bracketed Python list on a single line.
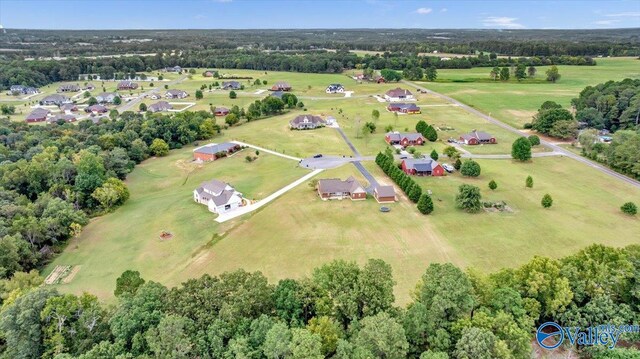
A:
[(69, 88), (55, 99), (231, 85), (64, 117), (422, 167), (335, 188), (306, 122), (218, 196), (22, 90), (38, 115), (477, 138), (106, 97), (213, 151), (401, 107), (159, 106), (173, 93)]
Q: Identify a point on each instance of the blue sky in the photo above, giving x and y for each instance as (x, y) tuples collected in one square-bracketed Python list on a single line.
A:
[(252, 14)]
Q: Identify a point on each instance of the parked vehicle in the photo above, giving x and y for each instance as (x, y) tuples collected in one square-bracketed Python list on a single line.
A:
[(317, 156), (449, 168)]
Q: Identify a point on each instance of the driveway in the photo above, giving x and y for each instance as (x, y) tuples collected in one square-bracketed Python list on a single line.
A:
[(326, 162), (548, 144), (254, 206), (372, 181), (261, 149)]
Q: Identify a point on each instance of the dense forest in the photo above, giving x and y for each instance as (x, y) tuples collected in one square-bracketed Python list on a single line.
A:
[(42, 72), (341, 310), (592, 42), (54, 177)]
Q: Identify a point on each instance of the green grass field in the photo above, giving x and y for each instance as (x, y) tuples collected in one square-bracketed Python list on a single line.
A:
[(161, 199), (515, 103), (297, 232)]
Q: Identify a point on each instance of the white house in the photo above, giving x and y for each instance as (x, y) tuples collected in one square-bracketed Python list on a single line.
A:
[(218, 196), (334, 88)]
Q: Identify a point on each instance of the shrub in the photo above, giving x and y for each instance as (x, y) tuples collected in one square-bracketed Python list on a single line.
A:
[(547, 201), (458, 164), (425, 204), (529, 182), (534, 140), (434, 155), (493, 185), (629, 208), (470, 168)]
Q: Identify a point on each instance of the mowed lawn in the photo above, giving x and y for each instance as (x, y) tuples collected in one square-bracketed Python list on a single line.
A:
[(586, 210), (162, 200), (515, 103), (299, 232)]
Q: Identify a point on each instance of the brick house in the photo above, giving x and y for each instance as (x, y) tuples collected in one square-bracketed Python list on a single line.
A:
[(405, 139), (38, 115), (334, 188), (422, 167), (477, 138), (127, 85), (409, 108), (212, 151), (281, 86)]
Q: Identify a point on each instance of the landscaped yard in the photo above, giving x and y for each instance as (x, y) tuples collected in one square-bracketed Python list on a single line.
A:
[(298, 231), (162, 200)]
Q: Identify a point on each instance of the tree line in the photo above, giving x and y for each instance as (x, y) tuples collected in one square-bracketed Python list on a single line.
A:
[(54, 177), (341, 310), (38, 73), (592, 42)]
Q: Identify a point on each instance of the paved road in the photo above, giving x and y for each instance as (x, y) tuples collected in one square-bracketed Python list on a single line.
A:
[(373, 183), (252, 207), (508, 156), (326, 162), (548, 144)]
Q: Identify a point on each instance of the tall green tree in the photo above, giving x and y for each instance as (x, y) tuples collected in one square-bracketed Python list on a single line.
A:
[(521, 149), (553, 74), (468, 198)]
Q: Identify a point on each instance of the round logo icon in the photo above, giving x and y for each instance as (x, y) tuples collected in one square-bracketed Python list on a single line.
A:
[(550, 330)]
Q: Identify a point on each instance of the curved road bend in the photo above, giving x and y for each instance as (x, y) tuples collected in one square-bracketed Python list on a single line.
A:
[(555, 148)]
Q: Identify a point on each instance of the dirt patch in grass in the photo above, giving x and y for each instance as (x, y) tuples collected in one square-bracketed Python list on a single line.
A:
[(165, 235), (71, 274)]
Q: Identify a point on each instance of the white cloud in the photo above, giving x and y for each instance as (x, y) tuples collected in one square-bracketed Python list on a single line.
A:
[(424, 10), (606, 22), (502, 22), (444, 9), (625, 14)]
